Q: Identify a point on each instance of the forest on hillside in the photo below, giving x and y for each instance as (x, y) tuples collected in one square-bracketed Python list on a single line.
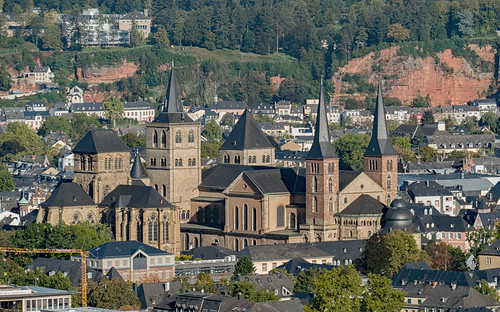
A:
[(320, 35)]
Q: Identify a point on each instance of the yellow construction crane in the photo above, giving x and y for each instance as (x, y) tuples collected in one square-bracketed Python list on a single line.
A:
[(83, 253)]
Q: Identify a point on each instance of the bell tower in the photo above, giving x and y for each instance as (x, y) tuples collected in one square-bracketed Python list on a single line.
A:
[(380, 161), (322, 182)]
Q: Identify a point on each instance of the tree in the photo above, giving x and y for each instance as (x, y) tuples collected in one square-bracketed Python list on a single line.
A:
[(428, 118), (456, 154), (25, 136), (6, 181), (489, 119), (413, 120), (51, 38), (351, 149), (445, 257), (136, 37), (244, 266), (337, 290), (305, 279), (421, 101), (485, 289), (402, 146), (213, 134), (450, 123), (386, 254), (113, 109), (160, 38), (465, 23), (249, 290), (112, 294), (133, 140), (204, 283), (380, 296), (5, 80), (82, 123), (478, 241), (427, 153), (398, 33), (56, 124)]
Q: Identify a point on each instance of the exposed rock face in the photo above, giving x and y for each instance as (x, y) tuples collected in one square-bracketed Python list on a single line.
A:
[(407, 77), (106, 74)]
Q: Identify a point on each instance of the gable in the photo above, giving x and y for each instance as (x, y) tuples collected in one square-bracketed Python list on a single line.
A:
[(362, 184), (242, 185)]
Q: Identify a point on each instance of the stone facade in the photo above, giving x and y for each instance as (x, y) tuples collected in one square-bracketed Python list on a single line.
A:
[(252, 157)]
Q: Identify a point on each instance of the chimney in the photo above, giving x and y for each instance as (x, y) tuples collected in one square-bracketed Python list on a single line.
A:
[(434, 284), (146, 12), (441, 126), (241, 296), (453, 286)]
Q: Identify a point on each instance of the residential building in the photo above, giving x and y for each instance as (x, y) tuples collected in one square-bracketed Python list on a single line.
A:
[(134, 261), (430, 193), (486, 105), (141, 111), (489, 258), (75, 95), (276, 283), (142, 23), (229, 107), (445, 143), (71, 269), (89, 108), (40, 75), (33, 298)]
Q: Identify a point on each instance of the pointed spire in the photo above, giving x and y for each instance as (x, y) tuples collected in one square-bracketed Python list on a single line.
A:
[(380, 144), (322, 146), (173, 101), (137, 171)]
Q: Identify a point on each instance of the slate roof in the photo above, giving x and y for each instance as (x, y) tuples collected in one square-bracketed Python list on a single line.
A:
[(135, 15), (210, 252), (151, 293), (138, 171), (123, 249), (172, 110), (445, 223), (68, 194), (269, 181), (492, 250), (137, 105), (297, 265), (224, 105), (135, 196), (446, 140), (73, 269), (246, 134), (272, 283), (113, 273), (346, 177), (380, 144), (38, 69), (494, 193), (427, 188), (364, 205), (101, 141), (322, 146)]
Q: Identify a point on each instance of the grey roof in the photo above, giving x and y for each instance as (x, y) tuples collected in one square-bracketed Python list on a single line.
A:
[(135, 15), (246, 134), (101, 141), (364, 205), (138, 171), (380, 144), (210, 252), (297, 265), (73, 269), (68, 194), (321, 147), (346, 177), (492, 250), (87, 106), (40, 69), (123, 249), (135, 196), (446, 223), (113, 273), (224, 105), (447, 140), (173, 102), (137, 105), (427, 188), (151, 293), (272, 283)]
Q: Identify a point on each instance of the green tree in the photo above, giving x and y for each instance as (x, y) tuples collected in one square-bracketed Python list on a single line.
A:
[(386, 254), (55, 124), (112, 294), (421, 101), (428, 118), (160, 38), (478, 241), (380, 296), (249, 290), (427, 153), (305, 279), (133, 140), (338, 290), (136, 37), (113, 108), (450, 123), (485, 289), (25, 136), (413, 120), (402, 146), (398, 33), (82, 123), (244, 266), (204, 283), (351, 149), (5, 80), (489, 119), (6, 180), (456, 154), (51, 38), (470, 123), (212, 132)]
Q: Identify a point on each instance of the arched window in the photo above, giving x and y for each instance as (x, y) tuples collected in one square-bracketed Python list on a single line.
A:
[(164, 190), (187, 215), (180, 162), (345, 200), (153, 161), (156, 187), (236, 245), (330, 205), (191, 136), (226, 159), (139, 231), (245, 243), (89, 161), (330, 185), (388, 199), (245, 217), (254, 242), (254, 219), (165, 229), (237, 159), (292, 221), (163, 162), (268, 159), (163, 139), (280, 216), (315, 204), (186, 242), (189, 162), (155, 139), (178, 136), (195, 242), (153, 229), (389, 181), (176, 162), (263, 158), (315, 185), (183, 215), (119, 163), (116, 163), (82, 163), (236, 218)]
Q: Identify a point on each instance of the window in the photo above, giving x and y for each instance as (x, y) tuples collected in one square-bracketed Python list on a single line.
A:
[(226, 159), (236, 244), (389, 182), (155, 139), (292, 221), (164, 189), (330, 185), (163, 162), (254, 219), (191, 136), (263, 158), (245, 217), (153, 229), (237, 159), (345, 200), (315, 185), (488, 260), (152, 161), (236, 217), (178, 136), (280, 216), (264, 267), (163, 139), (314, 204), (330, 205), (268, 159)]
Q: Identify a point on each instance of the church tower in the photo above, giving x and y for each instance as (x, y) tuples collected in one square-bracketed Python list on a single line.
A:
[(247, 144), (173, 159), (380, 161), (322, 182)]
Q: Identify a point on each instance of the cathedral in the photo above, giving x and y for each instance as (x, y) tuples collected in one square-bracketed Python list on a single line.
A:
[(174, 205)]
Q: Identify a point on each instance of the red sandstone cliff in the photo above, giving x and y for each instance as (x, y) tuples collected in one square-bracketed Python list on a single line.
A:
[(106, 74), (407, 77)]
